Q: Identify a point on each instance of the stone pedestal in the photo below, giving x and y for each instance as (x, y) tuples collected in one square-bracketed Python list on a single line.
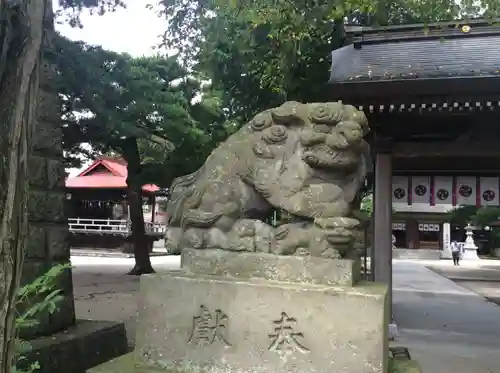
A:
[(470, 248), (247, 313)]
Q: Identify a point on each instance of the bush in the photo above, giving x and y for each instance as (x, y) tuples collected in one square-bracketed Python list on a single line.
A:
[(45, 289)]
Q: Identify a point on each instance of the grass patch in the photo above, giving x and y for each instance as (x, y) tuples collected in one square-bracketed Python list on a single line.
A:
[(404, 366)]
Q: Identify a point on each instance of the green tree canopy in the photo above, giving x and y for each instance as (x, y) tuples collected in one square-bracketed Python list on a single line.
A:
[(262, 52), (480, 216), (70, 10), (108, 97), (148, 110)]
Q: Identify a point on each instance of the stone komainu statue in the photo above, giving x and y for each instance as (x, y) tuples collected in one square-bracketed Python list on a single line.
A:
[(305, 160)]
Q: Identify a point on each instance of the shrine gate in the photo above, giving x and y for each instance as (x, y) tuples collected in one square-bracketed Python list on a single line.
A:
[(432, 98)]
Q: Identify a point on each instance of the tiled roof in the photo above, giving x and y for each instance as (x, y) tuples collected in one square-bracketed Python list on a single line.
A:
[(114, 176), (394, 56), (115, 166)]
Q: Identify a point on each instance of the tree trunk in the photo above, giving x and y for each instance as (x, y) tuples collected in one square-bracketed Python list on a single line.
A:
[(21, 36), (134, 196)]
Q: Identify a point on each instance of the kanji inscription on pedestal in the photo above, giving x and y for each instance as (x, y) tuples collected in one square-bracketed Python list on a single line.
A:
[(209, 327), (284, 339)]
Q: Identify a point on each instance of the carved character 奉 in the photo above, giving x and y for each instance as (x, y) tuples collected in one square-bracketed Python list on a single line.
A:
[(306, 160)]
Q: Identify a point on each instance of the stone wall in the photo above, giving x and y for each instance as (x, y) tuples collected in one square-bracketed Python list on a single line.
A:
[(48, 243)]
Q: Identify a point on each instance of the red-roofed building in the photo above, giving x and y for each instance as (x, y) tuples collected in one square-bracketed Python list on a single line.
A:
[(97, 200), (99, 191), (105, 173)]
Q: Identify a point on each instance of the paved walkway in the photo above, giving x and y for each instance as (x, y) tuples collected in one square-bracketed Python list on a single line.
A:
[(447, 328)]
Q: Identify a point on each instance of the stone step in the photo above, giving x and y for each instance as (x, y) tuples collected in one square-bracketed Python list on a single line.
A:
[(87, 344)]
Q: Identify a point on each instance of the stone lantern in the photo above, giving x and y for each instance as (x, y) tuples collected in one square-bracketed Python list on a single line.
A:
[(470, 248)]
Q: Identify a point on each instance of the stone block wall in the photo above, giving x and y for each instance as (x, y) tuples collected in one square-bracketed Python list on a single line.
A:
[(48, 242)]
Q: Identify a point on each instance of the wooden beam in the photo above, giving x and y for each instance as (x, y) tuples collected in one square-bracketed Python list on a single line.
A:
[(410, 90), (354, 29), (445, 149), (447, 166)]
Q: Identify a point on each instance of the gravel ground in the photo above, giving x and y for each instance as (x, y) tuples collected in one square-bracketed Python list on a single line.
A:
[(103, 290)]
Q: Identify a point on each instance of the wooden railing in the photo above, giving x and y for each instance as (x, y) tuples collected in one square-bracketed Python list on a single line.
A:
[(111, 226)]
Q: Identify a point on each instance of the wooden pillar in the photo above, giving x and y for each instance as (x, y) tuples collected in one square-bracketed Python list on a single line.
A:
[(382, 221), (153, 209), (412, 234)]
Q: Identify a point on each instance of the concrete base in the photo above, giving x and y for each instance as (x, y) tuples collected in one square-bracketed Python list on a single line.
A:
[(219, 324), (125, 364), (470, 254), (87, 344), (393, 331), (247, 313)]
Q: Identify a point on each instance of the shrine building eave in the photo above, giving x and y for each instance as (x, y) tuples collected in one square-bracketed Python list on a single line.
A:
[(417, 61), (105, 173)]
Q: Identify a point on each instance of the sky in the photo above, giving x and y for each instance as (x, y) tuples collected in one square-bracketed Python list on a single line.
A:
[(134, 30)]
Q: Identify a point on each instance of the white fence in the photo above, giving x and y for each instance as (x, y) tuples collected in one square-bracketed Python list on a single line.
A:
[(110, 226)]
